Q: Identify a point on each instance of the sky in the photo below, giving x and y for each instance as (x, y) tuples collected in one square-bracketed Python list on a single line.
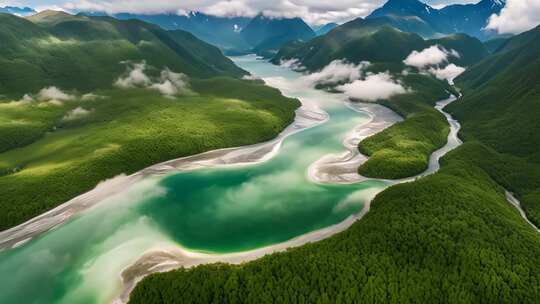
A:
[(315, 12), (518, 16)]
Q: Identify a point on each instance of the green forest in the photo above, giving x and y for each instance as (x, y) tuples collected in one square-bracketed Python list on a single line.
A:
[(456, 222), (451, 237)]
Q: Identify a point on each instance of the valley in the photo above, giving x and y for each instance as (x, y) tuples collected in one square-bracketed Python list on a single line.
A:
[(250, 152)]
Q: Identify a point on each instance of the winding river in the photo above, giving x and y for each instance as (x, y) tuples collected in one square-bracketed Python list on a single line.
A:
[(230, 205)]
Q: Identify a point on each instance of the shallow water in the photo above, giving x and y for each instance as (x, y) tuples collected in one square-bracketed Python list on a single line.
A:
[(218, 210)]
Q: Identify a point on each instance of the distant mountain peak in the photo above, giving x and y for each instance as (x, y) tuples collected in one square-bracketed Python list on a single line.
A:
[(20, 11), (455, 18)]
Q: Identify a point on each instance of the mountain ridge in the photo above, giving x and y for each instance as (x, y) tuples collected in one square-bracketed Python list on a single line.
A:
[(456, 18)]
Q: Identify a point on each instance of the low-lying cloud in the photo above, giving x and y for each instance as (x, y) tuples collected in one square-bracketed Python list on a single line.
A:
[(135, 76), (433, 55), (76, 113), (516, 17), (337, 71), (448, 73), (168, 83), (171, 84), (373, 88), (54, 94), (353, 81), (434, 60)]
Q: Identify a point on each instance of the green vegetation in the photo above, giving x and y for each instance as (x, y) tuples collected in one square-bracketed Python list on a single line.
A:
[(447, 238), (450, 237), (51, 152), (404, 149), (266, 34), (123, 132), (500, 111), (495, 44), (380, 40), (51, 47)]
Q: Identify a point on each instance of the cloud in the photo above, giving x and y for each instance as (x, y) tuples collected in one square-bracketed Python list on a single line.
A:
[(516, 17), (293, 64), (171, 83), (135, 76), (315, 12), (434, 60), (374, 87), (76, 113), (432, 55), (335, 72), (168, 84), (91, 97), (449, 73), (54, 94)]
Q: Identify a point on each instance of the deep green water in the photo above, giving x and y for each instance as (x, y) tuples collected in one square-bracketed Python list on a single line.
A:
[(214, 210)]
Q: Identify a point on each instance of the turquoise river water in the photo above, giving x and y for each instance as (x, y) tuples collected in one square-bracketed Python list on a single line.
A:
[(220, 210)]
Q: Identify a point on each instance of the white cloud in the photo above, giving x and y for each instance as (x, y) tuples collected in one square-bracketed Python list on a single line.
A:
[(91, 97), (76, 113), (135, 76), (374, 87), (449, 73), (434, 60), (54, 94), (168, 84), (315, 12), (432, 55), (516, 17), (335, 72), (171, 83), (293, 64)]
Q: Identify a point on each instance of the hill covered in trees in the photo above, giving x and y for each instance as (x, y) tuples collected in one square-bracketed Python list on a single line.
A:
[(51, 47), (500, 111), (84, 99), (381, 40)]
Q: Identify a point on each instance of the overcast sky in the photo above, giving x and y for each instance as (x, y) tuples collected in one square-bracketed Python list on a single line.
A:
[(313, 11), (516, 17)]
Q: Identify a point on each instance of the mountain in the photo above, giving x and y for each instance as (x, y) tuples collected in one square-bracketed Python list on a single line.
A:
[(375, 40), (50, 47), (321, 30), (469, 18), (19, 11), (267, 34), (493, 45), (406, 8), (233, 35), (223, 32), (84, 99), (500, 111), (459, 18)]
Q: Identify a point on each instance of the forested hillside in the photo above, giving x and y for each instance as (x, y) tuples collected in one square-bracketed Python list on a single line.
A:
[(375, 40), (51, 47), (500, 111), (84, 99)]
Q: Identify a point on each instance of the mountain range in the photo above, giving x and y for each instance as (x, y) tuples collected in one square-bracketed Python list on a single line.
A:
[(245, 34), (261, 34), (50, 47), (380, 39), (458, 18), (20, 11)]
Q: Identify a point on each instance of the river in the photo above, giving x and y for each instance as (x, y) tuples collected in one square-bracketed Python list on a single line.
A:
[(232, 205)]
